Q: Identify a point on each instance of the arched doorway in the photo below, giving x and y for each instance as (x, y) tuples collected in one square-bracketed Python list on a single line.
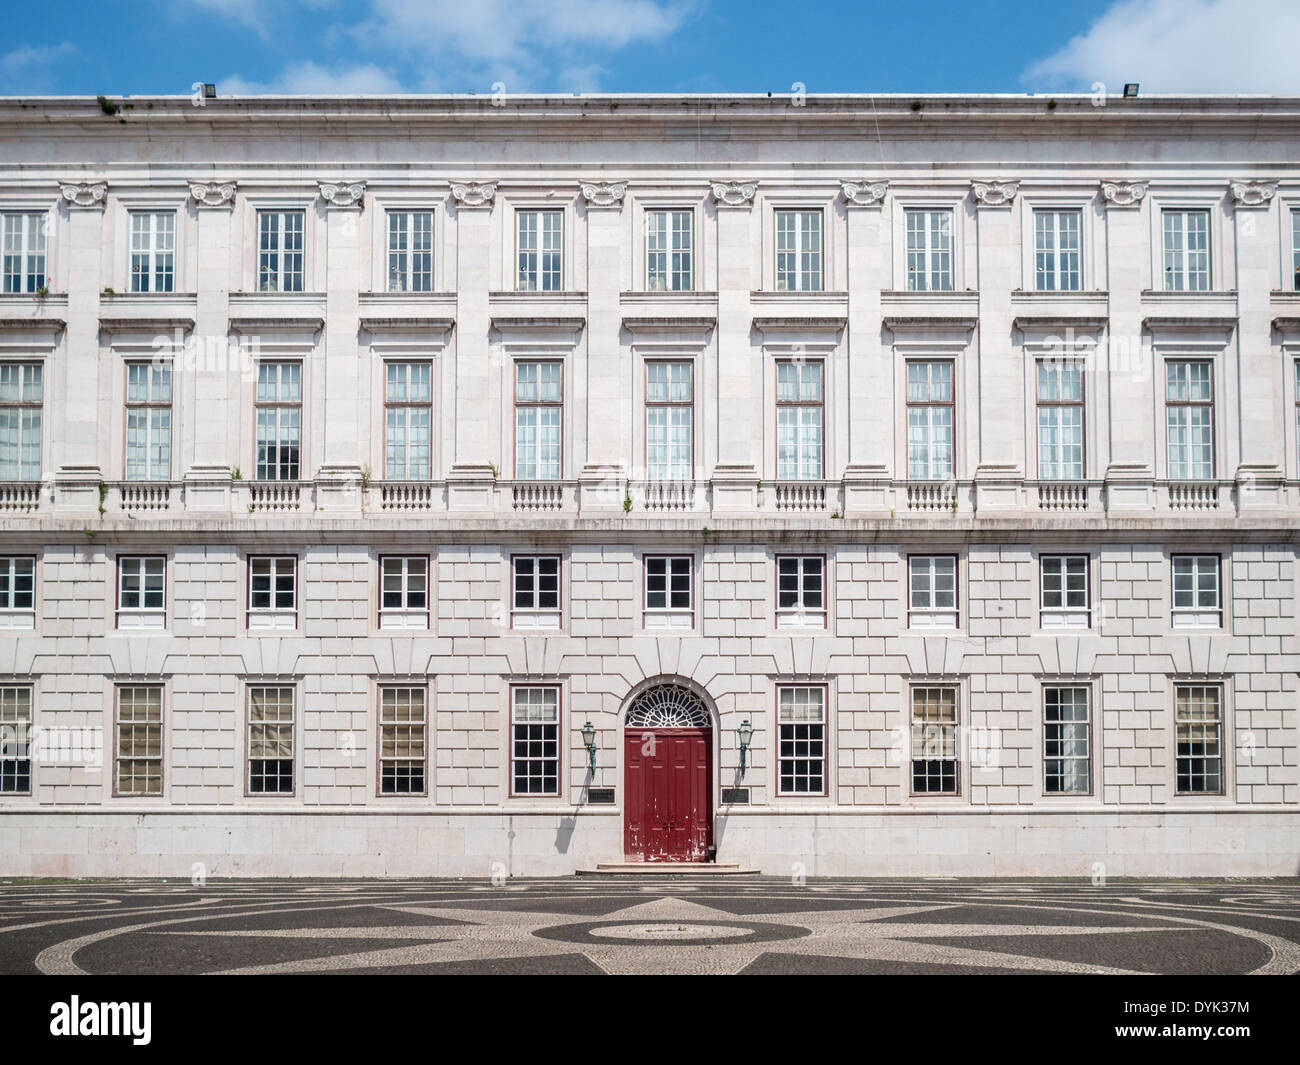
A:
[(668, 767)]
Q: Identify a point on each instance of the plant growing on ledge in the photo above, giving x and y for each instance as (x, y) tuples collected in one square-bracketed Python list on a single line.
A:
[(496, 474), (365, 476), (42, 292), (103, 495), (235, 475), (108, 291), (627, 497), (106, 105)]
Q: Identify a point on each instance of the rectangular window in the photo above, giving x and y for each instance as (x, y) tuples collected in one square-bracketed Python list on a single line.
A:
[(139, 769), (934, 741), (1066, 599), (402, 741), (1060, 420), (802, 760), (669, 414), (1187, 250), (280, 250), (535, 583), (1295, 250), (929, 250), (1067, 742), (270, 740), (148, 421), (801, 590), (15, 740), (407, 455), (17, 592), (141, 592), (539, 409), (1196, 594), (24, 252), (410, 251), (929, 421), (800, 414), (541, 250), (932, 591), (1198, 720), (21, 398), (535, 741), (279, 420), (273, 592), (669, 250), (669, 591), (1189, 418), (798, 251), (404, 592), (1057, 250), (153, 251)]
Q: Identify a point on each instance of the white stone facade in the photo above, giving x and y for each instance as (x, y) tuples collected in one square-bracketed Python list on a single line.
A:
[(730, 165)]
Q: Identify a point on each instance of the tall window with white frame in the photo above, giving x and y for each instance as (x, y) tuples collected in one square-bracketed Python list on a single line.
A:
[(21, 401), (141, 591), (935, 741), (139, 754), (800, 420), (1057, 250), (535, 740), (404, 592), (929, 420), (535, 592), (1189, 419), (670, 250), (1198, 722), (24, 254), (539, 411), (1197, 596), (153, 251), (403, 738), (669, 413), (279, 420), (669, 591), (17, 592), (929, 250), (410, 251), (1067, 741), (270, 739), (148, 421), (272, 592), (798, 251), (15, 739), (801, 760), (1186, 250), (540, 249), (407, 447), (932, 591), (1065, 593), (1295, 249), (801, 591), (1060, 420), (280, 250)]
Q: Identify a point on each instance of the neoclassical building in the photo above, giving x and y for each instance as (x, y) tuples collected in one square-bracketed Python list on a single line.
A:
[(491, 486)]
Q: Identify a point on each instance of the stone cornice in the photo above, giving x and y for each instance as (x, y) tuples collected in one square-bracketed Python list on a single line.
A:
[(1257, 193), (603, 193), (864, 193), (733, 193), (994, 193), (342, 193), (473, 194), (1123, 193), (213, 193), (84, 193)]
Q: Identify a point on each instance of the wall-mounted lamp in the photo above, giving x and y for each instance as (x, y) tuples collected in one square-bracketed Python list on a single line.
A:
[(746, 734), (1131, 89), (589, 738)]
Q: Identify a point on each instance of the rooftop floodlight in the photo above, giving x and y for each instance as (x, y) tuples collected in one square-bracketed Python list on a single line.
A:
[(1130, 89), (209, 91)]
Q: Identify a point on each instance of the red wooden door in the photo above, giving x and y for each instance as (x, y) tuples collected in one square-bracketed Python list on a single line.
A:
[(669, 795)]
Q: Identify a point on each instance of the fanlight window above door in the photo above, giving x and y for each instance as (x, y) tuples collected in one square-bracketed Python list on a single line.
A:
[(668, 706)]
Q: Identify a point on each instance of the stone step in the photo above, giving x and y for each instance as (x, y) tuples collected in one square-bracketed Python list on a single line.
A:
[(667, 869)]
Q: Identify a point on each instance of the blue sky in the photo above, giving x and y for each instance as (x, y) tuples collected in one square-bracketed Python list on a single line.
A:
[(323, 46)]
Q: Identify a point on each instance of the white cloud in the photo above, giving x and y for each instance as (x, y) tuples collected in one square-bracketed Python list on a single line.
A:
[(26, 69), (1187, 46), (312, 79)]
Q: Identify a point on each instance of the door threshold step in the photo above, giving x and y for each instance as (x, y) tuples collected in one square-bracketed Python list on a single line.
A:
[(667, 869)]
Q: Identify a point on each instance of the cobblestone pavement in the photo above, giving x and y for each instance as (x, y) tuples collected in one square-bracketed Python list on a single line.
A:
[(644, 924)]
